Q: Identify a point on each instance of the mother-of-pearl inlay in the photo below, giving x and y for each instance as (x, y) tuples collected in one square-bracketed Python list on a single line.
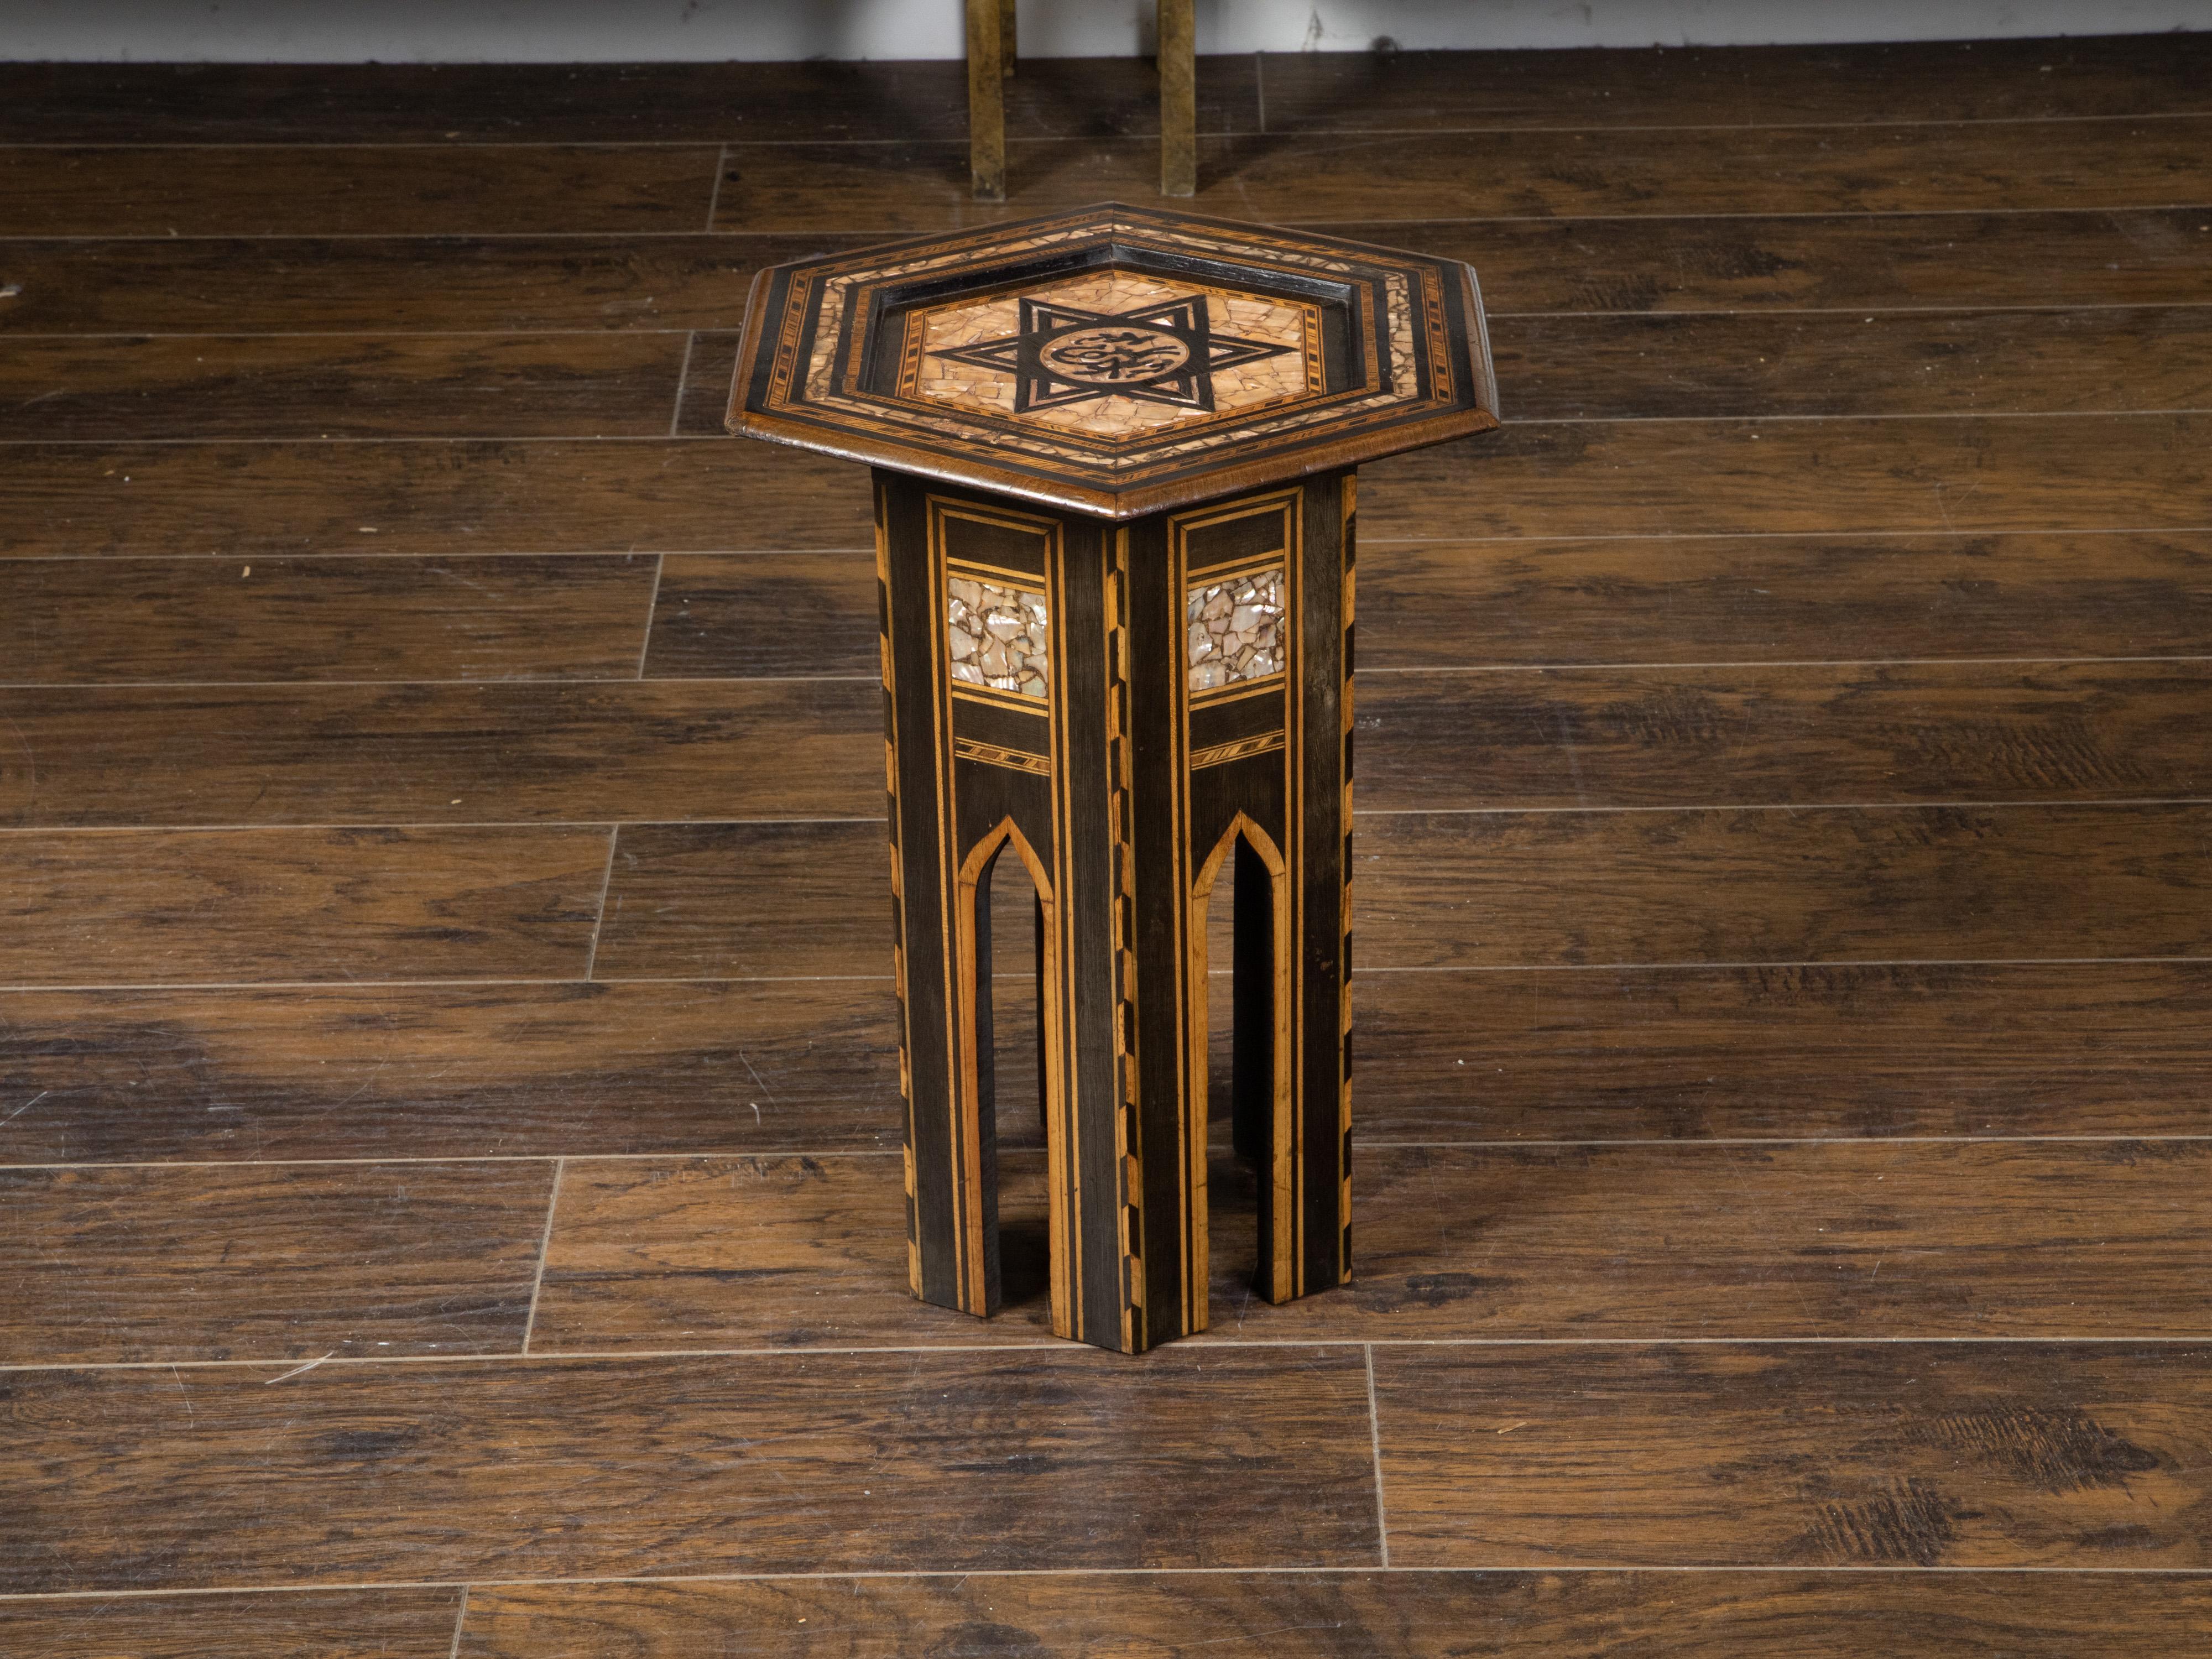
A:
[(997, 637), (1236, 629)]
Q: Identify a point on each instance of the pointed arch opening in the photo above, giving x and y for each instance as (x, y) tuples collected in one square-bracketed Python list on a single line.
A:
[(1250, 1073), (1010, 1074)]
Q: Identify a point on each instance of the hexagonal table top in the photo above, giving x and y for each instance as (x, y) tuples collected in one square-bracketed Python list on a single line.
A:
[(1118, 361)]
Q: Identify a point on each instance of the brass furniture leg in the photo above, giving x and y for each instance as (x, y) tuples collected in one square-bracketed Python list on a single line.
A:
[(1178, 61), (990, 38)]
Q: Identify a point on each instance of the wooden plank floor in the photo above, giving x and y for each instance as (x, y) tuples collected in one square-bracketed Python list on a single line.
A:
[(447, 1099)]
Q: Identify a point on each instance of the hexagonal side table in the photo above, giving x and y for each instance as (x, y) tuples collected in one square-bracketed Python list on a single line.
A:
[(1114, 491)]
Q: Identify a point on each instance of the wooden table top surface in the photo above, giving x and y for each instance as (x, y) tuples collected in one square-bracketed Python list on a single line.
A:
[(1115, 360)]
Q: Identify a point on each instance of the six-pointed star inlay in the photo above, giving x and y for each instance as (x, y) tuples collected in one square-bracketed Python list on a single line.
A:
[(1161, 353)]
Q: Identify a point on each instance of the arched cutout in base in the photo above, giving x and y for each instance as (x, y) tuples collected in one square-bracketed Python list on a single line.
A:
[(974, 1128), (1262, 1086)]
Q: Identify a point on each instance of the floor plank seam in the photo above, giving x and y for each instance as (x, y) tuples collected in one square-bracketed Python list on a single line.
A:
[(2183, 204), (814, 1152), (1310, 135), (732, 324), (653, 608), (1751, 964), (279, 826), (2048, 804), (282, 826), (682, 375), (311, 555), (1777, 309), (1680, 1143), (1374, 1439), (2093, 804), (1925, 532), (1579, 668), (1324, 134), (2193, 204), (1781, 418), (714, 191), (1938, 532), (1547, 667), (1509, 423), (1044, 1345), (1748, 1140), (544, 1245), (628, 331), (956, 1575), (546, 681), (1132, 141), (489, 981)]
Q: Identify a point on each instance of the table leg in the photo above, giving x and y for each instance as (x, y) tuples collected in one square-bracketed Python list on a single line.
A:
[(1177, 37), (987, 36)]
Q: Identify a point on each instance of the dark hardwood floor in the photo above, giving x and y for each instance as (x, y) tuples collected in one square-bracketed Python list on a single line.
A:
[(448, 1104)]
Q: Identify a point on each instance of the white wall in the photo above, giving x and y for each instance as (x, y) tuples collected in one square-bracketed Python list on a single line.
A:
[(570, 31)]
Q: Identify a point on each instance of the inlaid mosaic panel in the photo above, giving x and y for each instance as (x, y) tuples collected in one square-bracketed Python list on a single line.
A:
[(1236, 629), (1116, 388), (997, 637), (1115, 354)]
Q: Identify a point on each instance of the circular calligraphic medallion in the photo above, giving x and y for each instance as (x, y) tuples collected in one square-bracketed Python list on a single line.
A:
[(1120, 355)]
